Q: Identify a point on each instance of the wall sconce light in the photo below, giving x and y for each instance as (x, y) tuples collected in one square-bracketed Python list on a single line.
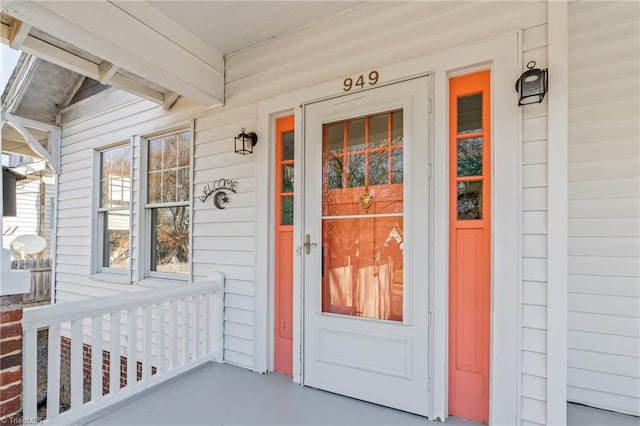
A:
[(245, 142), (532, 85)]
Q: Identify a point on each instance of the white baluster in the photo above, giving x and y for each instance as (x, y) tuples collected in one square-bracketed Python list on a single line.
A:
[(161, 330), (196, 327), (114, 367), (53, 373), (207, 323), (174, 334), (132, 347), (77, 363), (185, 330), (30, 374), (96, 358), (146, 346)]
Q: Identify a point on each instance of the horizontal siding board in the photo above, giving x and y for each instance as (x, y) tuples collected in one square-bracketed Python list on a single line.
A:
[(611, 208), (534, 37), (597, 323), (534, 222), (610, 383), (534, 316), (237, 358), (534, 364), (605, 304), (534, 340), (605, 363), (534, 293), (534, 269), (534, 387), (599, 265), (534, 152), (603, 284), (604, 227), (534, 175), (604, 169), (604, 343), (533, 410), (602, 132), (534, 246)]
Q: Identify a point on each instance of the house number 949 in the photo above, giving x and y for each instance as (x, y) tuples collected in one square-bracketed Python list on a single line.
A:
[(361, 81)]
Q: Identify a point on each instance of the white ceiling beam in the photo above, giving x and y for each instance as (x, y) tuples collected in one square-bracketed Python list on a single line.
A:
[(18, 32), (135, 46), (169, 100), (68, 60), (107, 70), (34, 144), (34, 124)]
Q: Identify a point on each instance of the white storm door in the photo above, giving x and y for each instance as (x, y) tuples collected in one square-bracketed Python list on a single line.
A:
[(365, 256)]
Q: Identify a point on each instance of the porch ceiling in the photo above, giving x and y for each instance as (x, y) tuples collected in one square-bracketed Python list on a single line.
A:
[(161, 49)]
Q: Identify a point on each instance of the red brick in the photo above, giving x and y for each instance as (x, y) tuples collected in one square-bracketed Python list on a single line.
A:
[(12, 391), (9, 408), (10, 330), (7, 377), (10, 361), (10, 316), (9, 346)]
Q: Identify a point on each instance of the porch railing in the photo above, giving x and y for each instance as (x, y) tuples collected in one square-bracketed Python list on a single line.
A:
[(121, 344)]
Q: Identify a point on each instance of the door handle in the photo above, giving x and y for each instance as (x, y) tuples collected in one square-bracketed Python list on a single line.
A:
[(307, 244)]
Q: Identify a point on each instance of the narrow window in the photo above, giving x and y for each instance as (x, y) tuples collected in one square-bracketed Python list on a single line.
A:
[(168, 203), (114, 209)]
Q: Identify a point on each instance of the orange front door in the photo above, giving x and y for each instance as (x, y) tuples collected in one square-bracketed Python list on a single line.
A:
[(469, 246), (284, 246)]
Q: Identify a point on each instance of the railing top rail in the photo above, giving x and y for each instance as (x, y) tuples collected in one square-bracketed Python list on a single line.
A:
[(44, 316)]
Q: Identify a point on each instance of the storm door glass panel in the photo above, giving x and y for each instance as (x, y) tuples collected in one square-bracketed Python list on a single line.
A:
[(286, 160), (362, 217)]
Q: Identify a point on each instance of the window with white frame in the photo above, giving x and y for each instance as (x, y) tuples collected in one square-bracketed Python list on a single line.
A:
[(114, 209), (168, 203)]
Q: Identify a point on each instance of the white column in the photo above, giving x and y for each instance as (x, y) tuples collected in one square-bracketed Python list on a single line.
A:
[(557, 234)]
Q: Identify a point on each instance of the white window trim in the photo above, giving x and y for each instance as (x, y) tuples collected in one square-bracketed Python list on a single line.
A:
[(501, 55), (145, 276), (98, 271)]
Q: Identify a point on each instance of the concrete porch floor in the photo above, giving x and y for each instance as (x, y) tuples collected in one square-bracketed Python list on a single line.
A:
[(221, 394)]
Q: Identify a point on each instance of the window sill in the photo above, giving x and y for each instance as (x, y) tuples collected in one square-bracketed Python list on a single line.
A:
[(111, 278)]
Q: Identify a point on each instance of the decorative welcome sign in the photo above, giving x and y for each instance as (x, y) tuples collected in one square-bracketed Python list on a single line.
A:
[(217, 189)]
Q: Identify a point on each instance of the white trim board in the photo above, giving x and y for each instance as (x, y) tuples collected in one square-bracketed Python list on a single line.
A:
[(501, 55)]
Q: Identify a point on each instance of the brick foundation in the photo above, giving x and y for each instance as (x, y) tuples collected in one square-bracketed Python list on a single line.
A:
[(10, 359), (65, 359)]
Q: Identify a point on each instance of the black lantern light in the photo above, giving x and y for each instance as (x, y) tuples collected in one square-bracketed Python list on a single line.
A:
[(532, 85), (245, 142)]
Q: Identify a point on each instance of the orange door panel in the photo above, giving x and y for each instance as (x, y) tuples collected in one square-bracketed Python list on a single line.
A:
[(284, 246), (469, 246)]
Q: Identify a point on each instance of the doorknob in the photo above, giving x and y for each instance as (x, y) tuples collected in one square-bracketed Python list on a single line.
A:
[(307, 244)]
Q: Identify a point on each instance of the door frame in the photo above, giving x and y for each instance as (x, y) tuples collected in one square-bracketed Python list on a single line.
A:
[(502, 55)]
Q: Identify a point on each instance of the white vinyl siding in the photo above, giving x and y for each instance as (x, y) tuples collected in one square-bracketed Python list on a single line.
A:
[(28, 202), (225, 240), (604, 205)]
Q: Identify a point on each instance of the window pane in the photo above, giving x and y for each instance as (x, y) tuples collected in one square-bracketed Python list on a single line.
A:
[(397, 173), (334, 173), (470, 157), (155, 154), (287, 146), (184, 149), (169, 186), (170, 152), (170, 240), (470, 113), (155, 187), (356, 135), (355, 171), (287, 211), (183, 188), (378, 131), (287, 178), (363, 267), (335, 138), (115, 250), (397, 128), (115, 177), (169, 168), (470, 200), (379, 168)]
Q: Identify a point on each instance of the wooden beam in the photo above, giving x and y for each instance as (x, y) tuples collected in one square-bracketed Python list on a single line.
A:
[(121, 82), (107, 70), (68, 60), (34, 144), (170, 98), (136, 47), (18, 32), (34, 124)]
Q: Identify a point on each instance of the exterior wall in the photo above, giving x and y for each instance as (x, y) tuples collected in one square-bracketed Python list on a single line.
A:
[(534, 240), (28, 205), (604, 213), (225, 240)]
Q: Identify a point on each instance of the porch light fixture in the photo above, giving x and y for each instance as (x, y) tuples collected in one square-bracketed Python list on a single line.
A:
[(532, 85), (245, 142)]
